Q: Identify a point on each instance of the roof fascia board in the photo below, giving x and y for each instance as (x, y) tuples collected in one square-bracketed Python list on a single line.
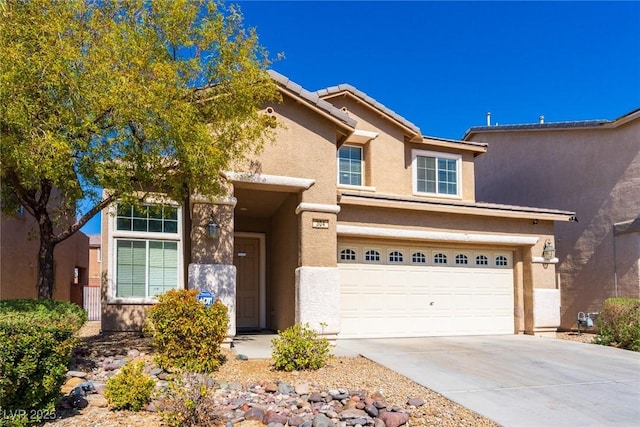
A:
[(347, 199), (474, 147)]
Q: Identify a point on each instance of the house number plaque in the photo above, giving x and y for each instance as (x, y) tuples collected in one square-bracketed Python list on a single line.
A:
[(320, 223)]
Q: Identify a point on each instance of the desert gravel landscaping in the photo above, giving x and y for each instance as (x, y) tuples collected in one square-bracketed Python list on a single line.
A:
[(355, 374)]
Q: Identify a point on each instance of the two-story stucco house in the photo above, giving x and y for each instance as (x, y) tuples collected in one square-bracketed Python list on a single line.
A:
[(592, 167), (356, 223)]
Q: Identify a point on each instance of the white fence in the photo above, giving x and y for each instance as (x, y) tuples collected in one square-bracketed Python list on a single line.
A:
[(91, 301)]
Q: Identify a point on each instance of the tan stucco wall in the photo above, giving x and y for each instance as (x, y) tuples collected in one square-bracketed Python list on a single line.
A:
[(304, 147), (206, 250), (594, 172), (388, 157), (282, 259), (95, 266), (19, 244)]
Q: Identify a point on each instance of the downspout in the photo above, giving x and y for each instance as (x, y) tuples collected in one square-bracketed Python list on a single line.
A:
[(615, 263)]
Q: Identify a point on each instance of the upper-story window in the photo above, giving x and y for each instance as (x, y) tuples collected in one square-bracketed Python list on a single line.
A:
[(436, 173), (350, 165), (153, 219)]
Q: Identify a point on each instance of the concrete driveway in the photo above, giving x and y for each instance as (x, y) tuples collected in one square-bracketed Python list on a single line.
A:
[(518, 380)]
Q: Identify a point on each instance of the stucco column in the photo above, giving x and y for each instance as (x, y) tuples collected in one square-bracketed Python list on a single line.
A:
[(211, 266), (518, 292), (317, 278), (527, 290)]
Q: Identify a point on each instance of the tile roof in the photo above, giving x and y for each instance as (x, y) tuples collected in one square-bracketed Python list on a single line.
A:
[(312, 98), (369, 100), (458, 203), (580, 124)]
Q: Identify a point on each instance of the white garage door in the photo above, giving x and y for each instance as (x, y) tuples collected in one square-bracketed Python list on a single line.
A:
[(395, 292)]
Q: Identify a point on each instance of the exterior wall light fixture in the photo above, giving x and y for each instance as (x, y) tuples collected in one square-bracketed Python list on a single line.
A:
[(213, 229), (549, 251)]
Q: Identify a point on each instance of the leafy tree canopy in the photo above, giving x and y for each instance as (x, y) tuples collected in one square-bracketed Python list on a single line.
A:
[(125, 95)]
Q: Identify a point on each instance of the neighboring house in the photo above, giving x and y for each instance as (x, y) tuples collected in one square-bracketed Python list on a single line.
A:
[(592, 167), (356, 223), (95, 259), (19, 260)]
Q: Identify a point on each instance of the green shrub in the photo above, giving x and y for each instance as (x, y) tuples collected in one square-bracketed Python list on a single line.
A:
[(36, 340), (298, 348), (619, 323), (186, 334), (130, 388)]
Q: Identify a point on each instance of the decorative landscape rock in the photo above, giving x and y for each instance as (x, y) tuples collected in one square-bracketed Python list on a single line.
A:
[(270, 403)]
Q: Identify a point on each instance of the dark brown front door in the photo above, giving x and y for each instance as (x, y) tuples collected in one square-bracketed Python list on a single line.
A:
[(246, 258)]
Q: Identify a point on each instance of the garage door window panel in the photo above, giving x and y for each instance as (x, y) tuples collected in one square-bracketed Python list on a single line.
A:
[(482, 260), (372, 255), (396, 257), (462, 260), (348, 255), (502, 261), (440, 258), (418, 258)]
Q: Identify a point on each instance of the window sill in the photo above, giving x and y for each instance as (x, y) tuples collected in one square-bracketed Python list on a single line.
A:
[(437, 196), (132, 301), (356, 187)]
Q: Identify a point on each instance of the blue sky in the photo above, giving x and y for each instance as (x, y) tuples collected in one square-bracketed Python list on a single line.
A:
[(444, 65)]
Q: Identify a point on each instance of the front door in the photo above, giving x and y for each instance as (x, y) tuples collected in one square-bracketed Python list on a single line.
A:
[(246, 258)]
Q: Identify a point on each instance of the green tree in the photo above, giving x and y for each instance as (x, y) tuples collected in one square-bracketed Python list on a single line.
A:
[(123, 95)]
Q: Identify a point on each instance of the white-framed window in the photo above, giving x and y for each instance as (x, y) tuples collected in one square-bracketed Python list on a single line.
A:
[(99, 255), (145, 268), (396, 257), (418, 258), (502, 261), (146, 252), (350, 165), (482, 260), (461, 259), (440, 258), (347, 255), (436, 173), (372, 255)]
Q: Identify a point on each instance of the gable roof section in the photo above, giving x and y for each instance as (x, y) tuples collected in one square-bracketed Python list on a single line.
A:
[(582, 124), (333, 91), (313, 100)]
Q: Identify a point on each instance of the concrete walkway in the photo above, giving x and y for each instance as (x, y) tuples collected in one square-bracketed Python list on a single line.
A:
[(515, 380)]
